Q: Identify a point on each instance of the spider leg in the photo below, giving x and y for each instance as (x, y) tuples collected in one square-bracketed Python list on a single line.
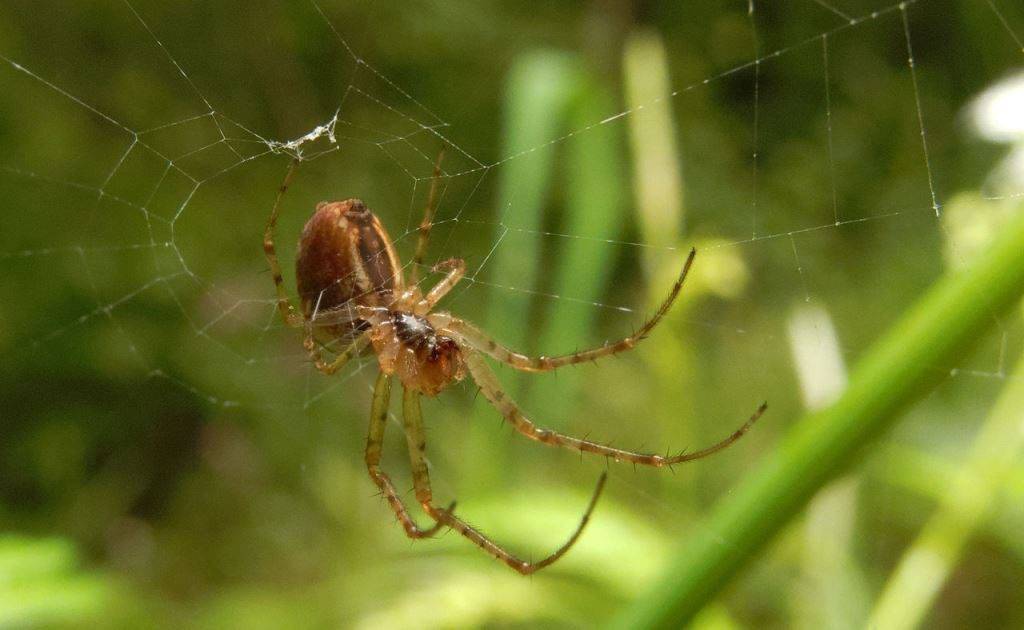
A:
[(289, 314), (421, 479), (488, 382), (353, 350), (455, 269), (427, 223), (374, 442), (480, 340)]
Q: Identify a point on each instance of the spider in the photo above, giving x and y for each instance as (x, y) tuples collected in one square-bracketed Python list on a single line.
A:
[(352, 290)]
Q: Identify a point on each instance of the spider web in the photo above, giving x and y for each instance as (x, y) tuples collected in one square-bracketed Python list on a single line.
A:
[(127, 218)]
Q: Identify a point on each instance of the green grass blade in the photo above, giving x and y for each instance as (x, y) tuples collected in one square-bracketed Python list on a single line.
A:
[(539, 91), (538, 94), (895, 372), (582, 269), (928, 562), (927, 474), (657, 182), (833, 591), (658, 195)]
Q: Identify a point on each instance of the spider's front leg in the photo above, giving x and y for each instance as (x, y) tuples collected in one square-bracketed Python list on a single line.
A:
[(288, 312), (413, 417), (427, 222), (473, 336), (374, 443), (454, 269)]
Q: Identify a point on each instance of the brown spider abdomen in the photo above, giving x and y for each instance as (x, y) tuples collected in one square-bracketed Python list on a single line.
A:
[(345, 255), (411, 348)]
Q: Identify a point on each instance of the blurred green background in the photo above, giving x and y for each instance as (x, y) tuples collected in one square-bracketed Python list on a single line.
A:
[(169, 457)]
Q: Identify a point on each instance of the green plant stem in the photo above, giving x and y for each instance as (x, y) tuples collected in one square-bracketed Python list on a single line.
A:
[(897, 370), (658, 185)]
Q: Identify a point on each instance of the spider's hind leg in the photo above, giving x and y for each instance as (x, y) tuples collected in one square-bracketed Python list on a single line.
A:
[(421, 479), (427, 222), (483, 342)]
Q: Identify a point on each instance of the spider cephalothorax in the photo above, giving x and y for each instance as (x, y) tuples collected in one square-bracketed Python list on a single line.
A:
[(352, 291), (409, 346)]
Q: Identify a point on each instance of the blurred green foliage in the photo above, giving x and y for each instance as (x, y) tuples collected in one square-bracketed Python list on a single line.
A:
[(169, 458)]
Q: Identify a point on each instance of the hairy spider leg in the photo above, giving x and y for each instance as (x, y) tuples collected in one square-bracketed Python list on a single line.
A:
[(454, 269), (353, 350), (374, 443), (488, 382), (427, 223), (289, 313), (484, 343), (421, 480)]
